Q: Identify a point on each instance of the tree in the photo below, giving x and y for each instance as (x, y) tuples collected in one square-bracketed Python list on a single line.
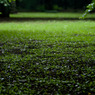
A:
[(5, 7)]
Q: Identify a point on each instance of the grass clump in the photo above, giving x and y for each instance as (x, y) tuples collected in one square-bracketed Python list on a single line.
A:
[(47, 58)]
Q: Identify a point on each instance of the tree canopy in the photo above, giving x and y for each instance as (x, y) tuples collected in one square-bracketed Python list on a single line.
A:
[(6, 2)]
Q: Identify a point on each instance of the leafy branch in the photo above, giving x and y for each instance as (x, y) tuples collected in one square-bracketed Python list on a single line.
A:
[(90, 7), (6, 2)]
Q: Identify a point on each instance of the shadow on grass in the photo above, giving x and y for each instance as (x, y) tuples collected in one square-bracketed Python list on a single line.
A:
[(35, 19)]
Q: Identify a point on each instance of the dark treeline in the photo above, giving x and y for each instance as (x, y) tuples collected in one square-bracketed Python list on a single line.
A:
[(59, 5), (42, 6)]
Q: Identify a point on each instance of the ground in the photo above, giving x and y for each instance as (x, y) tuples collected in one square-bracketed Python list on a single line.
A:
[(47, 57)]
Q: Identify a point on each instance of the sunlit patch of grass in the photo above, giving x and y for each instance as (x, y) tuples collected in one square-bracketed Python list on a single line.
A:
[(47, 57), (50, 15)]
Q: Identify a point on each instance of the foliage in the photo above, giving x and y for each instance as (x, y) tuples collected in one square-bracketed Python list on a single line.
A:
[(90, 7), (47, 58), (44, 5), (6, 2), (60, 5)]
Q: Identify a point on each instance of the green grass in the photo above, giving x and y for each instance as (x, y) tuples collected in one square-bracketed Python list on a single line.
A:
[(47, 58), (50, 15)]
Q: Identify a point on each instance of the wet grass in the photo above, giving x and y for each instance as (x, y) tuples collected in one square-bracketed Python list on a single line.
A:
[(47, 58)]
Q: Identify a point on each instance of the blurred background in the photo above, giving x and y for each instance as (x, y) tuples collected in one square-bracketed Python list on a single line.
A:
[(51, 5)]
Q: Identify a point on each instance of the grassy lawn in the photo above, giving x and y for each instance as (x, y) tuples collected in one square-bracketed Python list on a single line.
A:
[(50, 15), (47, 58)]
